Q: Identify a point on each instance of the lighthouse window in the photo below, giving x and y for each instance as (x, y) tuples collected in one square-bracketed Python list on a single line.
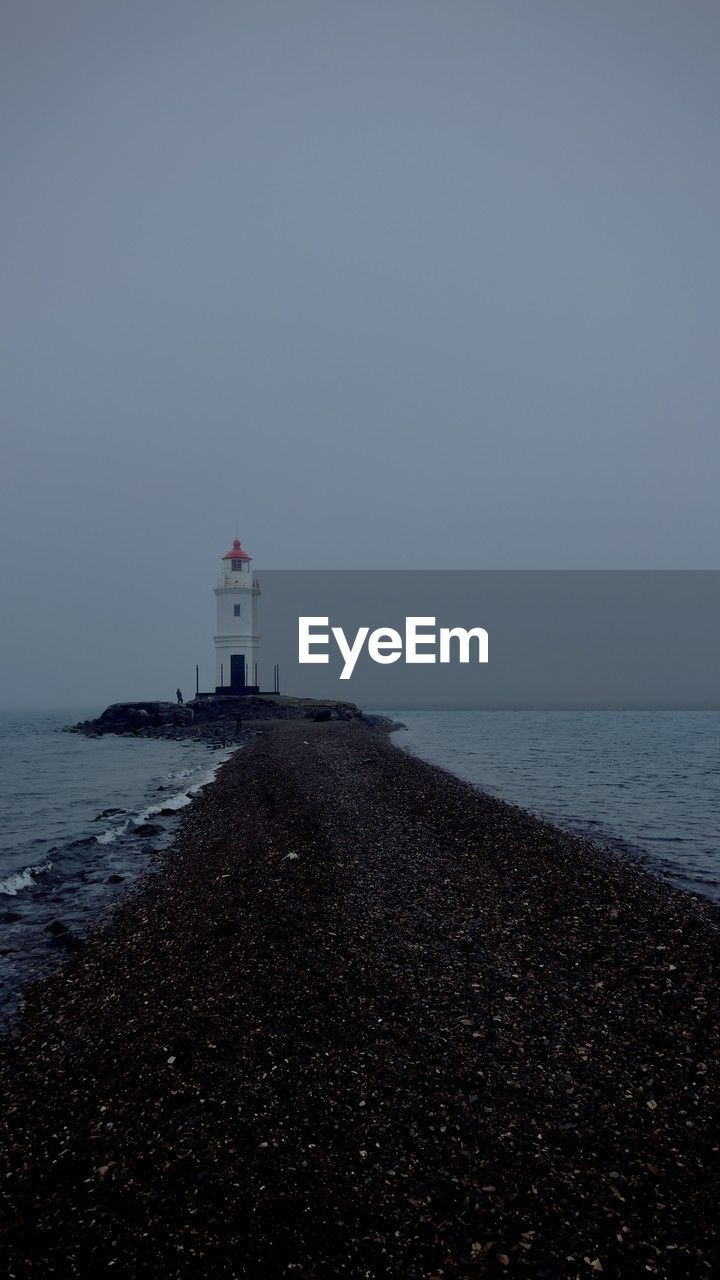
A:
[(237, 566), (236, 610)]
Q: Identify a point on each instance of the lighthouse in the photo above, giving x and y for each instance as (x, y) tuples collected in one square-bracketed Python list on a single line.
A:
[(237, 641)]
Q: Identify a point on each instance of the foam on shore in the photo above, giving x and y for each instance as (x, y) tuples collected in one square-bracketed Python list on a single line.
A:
[(19, 880)]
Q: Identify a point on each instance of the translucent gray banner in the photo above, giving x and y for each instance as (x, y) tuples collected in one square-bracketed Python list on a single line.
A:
[(555, 639)]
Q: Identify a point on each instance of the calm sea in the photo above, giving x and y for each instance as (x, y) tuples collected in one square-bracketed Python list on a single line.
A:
[(641, 781), (80, 818)]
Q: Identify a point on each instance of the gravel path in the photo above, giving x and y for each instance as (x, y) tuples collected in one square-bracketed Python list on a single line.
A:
[(370, 1022)]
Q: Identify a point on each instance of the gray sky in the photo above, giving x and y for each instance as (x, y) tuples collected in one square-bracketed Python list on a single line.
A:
[(396, 284)]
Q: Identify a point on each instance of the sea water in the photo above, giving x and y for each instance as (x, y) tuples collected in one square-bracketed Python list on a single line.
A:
[(644, 782), (80, 819)]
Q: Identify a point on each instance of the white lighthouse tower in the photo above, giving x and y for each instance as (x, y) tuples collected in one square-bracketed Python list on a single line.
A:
[(237, 641)]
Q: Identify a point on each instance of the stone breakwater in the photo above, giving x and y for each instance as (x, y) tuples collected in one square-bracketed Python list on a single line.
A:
[(370, 1022)]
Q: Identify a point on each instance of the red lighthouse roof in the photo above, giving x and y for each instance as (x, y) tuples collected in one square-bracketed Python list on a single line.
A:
[(236, 552)]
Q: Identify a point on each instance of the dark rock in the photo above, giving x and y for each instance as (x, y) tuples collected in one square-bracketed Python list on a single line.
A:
[(124, 717), (66, 941), (57, 927)]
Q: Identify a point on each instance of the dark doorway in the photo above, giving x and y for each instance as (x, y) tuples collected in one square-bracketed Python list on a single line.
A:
[(237, 671)]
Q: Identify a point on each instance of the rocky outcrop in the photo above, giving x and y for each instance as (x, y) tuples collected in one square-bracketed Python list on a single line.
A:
[(210, 718), (128, 716)]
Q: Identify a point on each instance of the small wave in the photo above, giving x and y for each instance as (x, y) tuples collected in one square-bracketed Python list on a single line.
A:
[(173, 803), (112, 833), (176, 802), (14, 884), (182, 799), (207, 777)]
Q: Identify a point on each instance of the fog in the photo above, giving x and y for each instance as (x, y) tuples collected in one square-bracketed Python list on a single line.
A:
[(382, 285)]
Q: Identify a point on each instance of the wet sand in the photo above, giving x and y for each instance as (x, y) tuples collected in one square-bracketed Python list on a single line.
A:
[(370, 1022)]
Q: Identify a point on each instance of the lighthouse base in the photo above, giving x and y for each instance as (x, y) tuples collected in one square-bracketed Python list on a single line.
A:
[(235, 691)]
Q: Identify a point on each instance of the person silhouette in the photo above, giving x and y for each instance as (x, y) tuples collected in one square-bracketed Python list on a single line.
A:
[(179, 697)]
